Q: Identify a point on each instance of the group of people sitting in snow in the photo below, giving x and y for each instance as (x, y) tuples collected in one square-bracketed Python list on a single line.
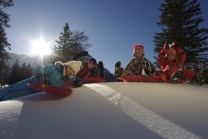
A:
[(171, 59)]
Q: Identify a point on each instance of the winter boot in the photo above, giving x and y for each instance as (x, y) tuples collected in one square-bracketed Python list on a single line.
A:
[(118, 69), (176, 76), (199, 79), (101, 67)]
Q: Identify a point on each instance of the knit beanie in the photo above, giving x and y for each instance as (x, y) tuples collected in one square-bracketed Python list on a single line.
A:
[(171, 51), (93, 60), (140, 46), (75, 65)]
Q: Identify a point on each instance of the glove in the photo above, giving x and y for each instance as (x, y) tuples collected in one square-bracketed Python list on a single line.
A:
[(101, 67), (165, 48), (118, 64), (166, 45), (78, 82), (42, 78)]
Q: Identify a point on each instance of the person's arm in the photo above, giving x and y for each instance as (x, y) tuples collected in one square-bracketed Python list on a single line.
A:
[(52, 72), (149, 69), (181, 55), (161, 57), (77, 56), (101, 67), (162, 61)]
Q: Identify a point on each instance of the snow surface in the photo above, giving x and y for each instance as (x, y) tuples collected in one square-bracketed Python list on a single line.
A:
[(115, 110)]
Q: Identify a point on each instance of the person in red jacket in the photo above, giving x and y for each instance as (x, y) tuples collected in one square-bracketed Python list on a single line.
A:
[(171, 60)]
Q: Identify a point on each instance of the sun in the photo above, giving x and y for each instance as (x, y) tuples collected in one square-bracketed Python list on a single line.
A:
[(41, 47)]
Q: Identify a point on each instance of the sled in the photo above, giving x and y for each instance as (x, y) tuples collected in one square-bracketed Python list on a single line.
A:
[(56, 90), (96, 79), (139, 78)]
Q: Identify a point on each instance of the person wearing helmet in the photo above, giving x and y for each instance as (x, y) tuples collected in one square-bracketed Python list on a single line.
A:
[(171, 59), (139, 65)]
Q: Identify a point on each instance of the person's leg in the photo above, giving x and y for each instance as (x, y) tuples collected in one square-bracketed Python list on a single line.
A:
[(176, 75), (193, 76), (18, 89)]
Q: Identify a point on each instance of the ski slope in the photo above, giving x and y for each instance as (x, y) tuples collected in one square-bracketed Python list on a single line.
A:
[(115, 110)]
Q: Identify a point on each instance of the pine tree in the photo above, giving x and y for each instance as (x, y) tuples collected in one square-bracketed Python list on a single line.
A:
[(25, 72), (15, 73), (180, 21), (4, 77), (69, 44), (29, 71), (4, 44)]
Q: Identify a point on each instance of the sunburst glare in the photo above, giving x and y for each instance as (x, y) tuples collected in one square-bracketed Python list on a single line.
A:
[(41, 47)]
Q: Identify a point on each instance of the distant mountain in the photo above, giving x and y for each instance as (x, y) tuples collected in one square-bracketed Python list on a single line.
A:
[(33, 61), (38, 60)]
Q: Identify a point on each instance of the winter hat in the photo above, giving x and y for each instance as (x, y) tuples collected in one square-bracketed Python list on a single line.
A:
[(139, 46), (171, 51), (93, 61), (75, 65)]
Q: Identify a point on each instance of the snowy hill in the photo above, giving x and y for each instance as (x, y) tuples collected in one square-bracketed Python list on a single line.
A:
[(109, 111)]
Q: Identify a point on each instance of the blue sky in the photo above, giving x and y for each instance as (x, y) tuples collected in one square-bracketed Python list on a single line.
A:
[(113, 26)]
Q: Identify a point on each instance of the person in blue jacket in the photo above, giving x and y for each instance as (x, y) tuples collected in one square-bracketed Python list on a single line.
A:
[(54, 75)]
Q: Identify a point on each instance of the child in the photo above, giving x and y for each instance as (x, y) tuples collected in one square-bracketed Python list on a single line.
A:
[(54, 75), (89, 68), (139, 65), (171, 59)]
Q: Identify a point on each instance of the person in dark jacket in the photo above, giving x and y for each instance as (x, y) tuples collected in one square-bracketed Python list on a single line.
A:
[(90, 68)]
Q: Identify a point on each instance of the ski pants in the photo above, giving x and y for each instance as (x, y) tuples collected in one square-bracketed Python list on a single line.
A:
[(18, 89)]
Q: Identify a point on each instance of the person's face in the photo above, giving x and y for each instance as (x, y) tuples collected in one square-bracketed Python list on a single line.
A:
[(138, 53), (90, 64), (69, 71), (171, 57)]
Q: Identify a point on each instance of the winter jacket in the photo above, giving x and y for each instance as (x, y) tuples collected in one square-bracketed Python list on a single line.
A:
[(137, 67), (86, 72), (173, 65), (54, 73)]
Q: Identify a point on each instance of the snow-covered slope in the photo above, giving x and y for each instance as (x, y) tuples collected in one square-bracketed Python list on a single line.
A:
[(116, 110)]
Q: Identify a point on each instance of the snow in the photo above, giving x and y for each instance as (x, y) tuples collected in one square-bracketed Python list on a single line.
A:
[(109, 110)]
